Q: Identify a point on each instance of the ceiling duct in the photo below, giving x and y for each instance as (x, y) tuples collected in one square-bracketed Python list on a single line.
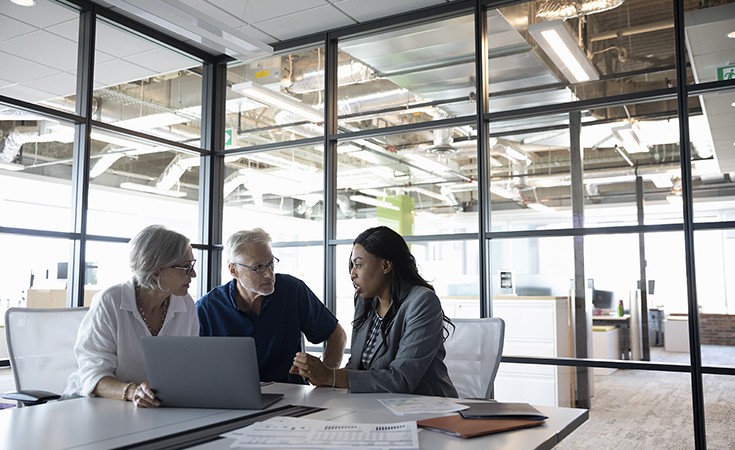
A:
[(175, 169), (308, 74), (564, 9), (443, 141)]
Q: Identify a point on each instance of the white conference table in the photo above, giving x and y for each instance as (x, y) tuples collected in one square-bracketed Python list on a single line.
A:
[(96, 423)]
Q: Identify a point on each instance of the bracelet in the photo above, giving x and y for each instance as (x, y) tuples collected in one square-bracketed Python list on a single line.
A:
[(334, 375), (125, 391)]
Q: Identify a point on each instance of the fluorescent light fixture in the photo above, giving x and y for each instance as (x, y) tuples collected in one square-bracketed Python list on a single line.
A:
[(151, 121), (502, 192), (540, 207), (426, 163), (281, 101), (374, 202), (630, 138), (625, 156), (13, 167), (561, 47), (104, 163), (24, 2), (429, 193), (662, 181), (675, 200), (731, 35), (374, 192), (151, 189), (266, 209)]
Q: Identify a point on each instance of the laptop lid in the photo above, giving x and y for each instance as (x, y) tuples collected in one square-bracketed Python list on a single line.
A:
[(205, 372)]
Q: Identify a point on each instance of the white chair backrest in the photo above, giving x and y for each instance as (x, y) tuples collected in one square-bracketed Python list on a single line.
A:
[(41, 346), (474, 350)]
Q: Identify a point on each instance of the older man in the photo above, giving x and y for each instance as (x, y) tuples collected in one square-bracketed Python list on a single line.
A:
[(272, 308)]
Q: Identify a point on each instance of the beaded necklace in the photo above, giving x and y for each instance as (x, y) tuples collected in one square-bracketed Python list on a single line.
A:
[(142, 313)]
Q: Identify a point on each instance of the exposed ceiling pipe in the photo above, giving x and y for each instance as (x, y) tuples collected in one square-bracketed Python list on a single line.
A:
[(176, 168), (633, 31), (18, 136), (345, 205), (311, 79), (108, 158), (606, 176)]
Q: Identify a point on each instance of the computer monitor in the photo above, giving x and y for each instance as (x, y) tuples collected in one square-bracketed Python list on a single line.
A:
[(603, 299)]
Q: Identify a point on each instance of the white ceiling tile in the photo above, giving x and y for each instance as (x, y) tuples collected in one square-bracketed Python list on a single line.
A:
[(68, 30), (162, 60), (11, 28), (4, 83), (102, 57), (213, 10), (256, 33), (44, 14), (119, 43), (61, 85), (119, 71), (363, 11), (20, 70), (25, 93), (44, 48), (305, 23), (255, 11)]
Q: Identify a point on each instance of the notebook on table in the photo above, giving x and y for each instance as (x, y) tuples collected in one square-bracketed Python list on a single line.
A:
[(205, 372)]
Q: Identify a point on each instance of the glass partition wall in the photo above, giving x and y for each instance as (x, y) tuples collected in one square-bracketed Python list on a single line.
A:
[(101, 136), (577, 163)]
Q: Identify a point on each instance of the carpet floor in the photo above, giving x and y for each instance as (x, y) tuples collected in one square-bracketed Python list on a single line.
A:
[(633, 409)]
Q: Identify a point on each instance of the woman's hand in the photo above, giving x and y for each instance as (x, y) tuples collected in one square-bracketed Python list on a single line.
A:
[(143, 397), (312, 369)]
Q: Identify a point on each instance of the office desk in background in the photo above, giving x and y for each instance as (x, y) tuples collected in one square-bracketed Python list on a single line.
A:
[(96, 423), (622, 322)]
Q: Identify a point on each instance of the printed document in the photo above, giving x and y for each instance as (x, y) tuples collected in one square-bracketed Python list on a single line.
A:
[(306, 433), (421, 405)]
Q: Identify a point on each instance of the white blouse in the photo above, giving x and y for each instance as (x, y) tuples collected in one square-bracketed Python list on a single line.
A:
[(108, 342)]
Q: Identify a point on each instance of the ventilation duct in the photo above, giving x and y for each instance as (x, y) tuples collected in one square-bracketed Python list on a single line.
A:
[(311, 78), (564, 9), (175, 169), (443, 141), (345, 205)]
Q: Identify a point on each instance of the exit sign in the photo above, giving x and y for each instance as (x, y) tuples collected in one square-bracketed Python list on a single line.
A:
[(726, 73), (228, 137)]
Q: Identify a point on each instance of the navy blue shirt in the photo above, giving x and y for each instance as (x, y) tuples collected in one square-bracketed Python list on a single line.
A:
[(290, 310)]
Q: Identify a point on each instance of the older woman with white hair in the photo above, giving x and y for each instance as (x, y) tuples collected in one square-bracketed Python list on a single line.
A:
[(155, 302)]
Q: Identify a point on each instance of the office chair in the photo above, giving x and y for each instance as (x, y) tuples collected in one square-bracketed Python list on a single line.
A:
[(41, 349), (474, 350)]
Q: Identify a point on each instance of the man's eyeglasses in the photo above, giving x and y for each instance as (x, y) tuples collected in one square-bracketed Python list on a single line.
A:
[(188, 268), (260, 268)]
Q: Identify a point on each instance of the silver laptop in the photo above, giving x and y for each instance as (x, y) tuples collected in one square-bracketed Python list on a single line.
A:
[(205, 372)]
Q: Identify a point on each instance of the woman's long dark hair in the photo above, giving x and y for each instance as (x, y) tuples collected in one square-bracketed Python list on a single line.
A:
[(385, 243)]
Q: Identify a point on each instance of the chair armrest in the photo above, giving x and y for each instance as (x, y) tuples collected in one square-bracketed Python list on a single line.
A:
[(31, 397)]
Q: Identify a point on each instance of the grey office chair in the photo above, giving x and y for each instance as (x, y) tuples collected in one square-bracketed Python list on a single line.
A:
[(41, 349), (474, 350)]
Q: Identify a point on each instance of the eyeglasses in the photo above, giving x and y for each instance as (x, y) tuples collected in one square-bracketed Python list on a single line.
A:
[(188, 268), (260, 268)]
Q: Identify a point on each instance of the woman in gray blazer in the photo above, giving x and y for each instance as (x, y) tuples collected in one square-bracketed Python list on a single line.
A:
[(399, 327)]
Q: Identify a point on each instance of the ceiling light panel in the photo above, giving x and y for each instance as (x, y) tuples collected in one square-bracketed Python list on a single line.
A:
[(630, 138), (557, 42)]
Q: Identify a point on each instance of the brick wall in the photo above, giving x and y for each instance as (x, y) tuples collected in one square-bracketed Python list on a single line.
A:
[(717, 329)]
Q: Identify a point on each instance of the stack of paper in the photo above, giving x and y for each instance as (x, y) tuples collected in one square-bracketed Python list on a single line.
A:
[(308, 434)]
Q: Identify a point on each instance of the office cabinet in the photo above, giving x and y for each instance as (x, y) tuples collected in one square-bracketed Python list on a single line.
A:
[(535, 326)]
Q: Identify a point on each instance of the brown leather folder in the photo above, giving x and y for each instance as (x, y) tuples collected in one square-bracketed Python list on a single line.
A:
[(456, 425)]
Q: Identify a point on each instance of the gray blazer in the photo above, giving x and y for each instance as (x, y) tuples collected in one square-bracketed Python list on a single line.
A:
[(410, 359)]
